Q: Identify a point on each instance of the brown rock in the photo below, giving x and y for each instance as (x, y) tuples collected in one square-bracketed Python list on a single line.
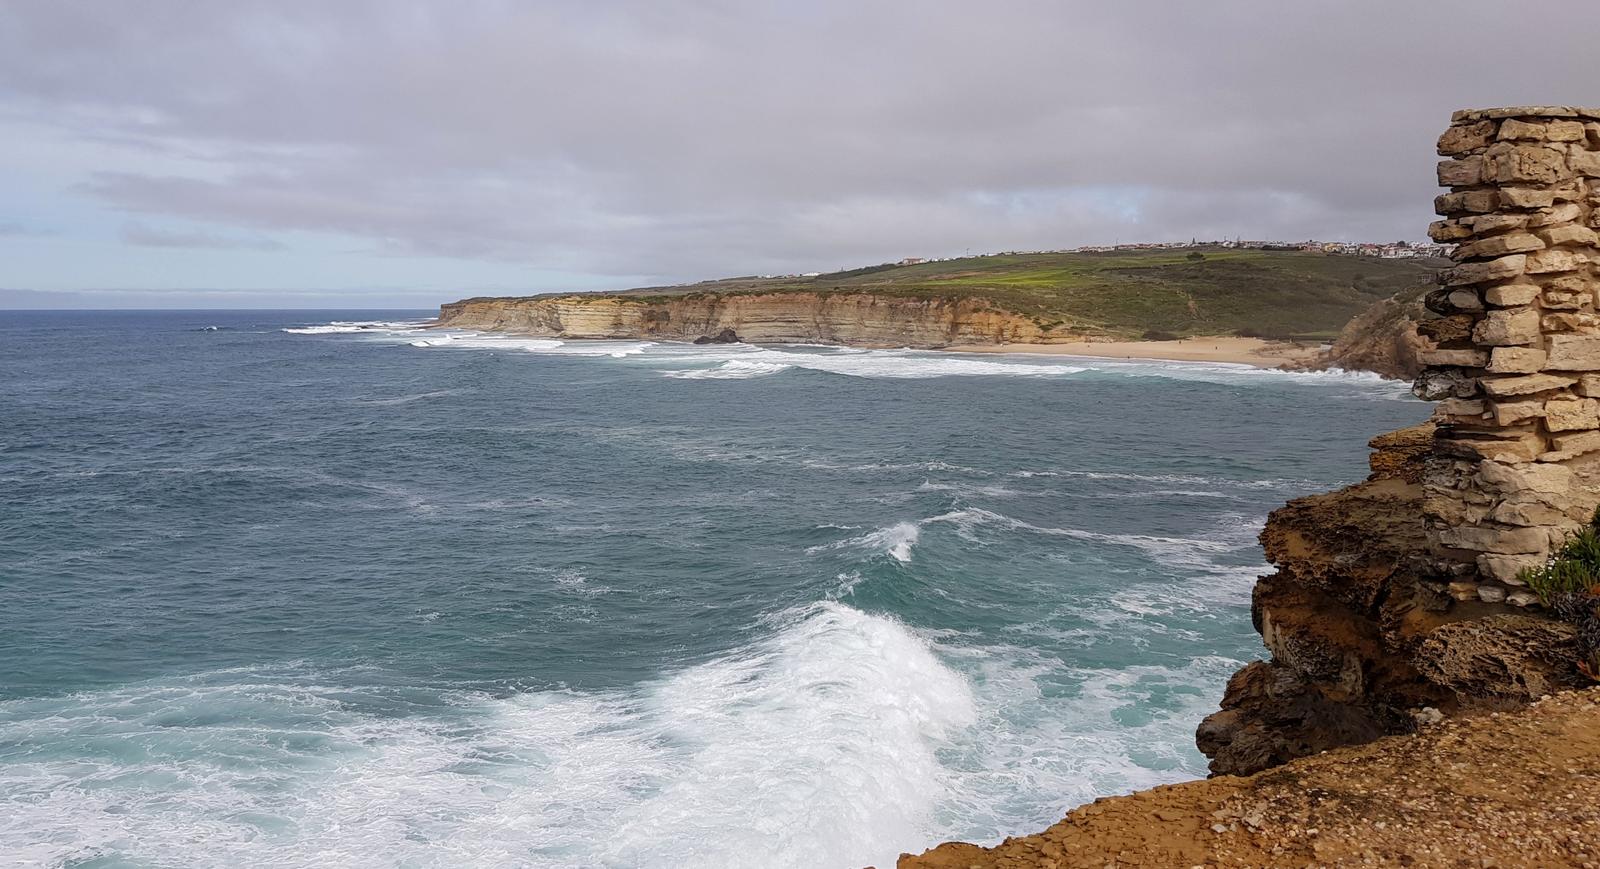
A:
[(1573, 353), (1483, 272), (1465, 138), (1571, 414), (1460, 173), (1508, 327), (1516, 360), (1510, 295)]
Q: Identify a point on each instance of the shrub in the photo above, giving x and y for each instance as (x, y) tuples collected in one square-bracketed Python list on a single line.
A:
[(1574, 569), (1158, 335)]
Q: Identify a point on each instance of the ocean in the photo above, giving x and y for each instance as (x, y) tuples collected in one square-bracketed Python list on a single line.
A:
[(326, 589)]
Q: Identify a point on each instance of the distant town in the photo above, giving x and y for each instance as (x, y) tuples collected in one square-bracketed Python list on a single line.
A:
[(1382, 250)]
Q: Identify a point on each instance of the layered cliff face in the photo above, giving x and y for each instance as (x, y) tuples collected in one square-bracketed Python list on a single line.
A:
[(1383, 339), (1362, 642), (857, 319)]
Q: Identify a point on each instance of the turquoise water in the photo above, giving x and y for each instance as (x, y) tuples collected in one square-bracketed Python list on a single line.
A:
[(282, 589)]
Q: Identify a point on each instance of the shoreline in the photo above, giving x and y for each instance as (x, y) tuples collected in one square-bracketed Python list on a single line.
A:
[(1259, 352)]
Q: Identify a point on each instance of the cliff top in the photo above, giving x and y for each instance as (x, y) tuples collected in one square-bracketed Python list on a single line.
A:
[(1206, 291), (1503, 789)]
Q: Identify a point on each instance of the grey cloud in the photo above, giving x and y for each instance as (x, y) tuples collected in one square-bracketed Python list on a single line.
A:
[(682, 139), (144, 235)]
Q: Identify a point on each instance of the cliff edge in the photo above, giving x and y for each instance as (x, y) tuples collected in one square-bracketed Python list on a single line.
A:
[(1494, 789)]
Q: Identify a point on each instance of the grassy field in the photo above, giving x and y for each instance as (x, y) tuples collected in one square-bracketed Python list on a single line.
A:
[(1127, 293)]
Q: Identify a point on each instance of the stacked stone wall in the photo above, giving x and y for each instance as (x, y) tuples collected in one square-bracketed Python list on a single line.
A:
[(1516, 464)]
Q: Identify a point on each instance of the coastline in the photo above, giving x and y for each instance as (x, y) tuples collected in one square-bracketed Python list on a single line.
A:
[(1259, 352)]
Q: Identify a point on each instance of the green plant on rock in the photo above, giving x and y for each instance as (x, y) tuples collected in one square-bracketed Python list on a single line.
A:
[(1574, 569)]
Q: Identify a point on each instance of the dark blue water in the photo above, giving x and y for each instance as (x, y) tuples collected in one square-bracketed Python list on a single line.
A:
[(365, 595)]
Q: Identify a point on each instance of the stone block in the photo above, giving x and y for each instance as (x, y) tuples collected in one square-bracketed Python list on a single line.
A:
[(1592, 131), (1564, 131), (1508, 295), (1554, 260), (1495, 539), (1489, 224), (1489, 270), (1570, 233), (1471, 202), (1462, 407), (1577, 322), (1535, 164), (1585, 163), (1445, 231), (1573, 353), (1571, 414), (1504, 568), (1513, 197), (1512, 128), (1499, 245), (1577, 443), (1589, 386), (1556, 300), (1437, 383), (1526, 514), (1461, 173), (1515, 360), (1465, 138), (1453, 328), (1524, 384), (1508, 327), (1566, 212), (1513, 412), (1549, 481), (1462, 358)]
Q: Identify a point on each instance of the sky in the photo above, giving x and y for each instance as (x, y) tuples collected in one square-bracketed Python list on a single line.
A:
[(402, 153)]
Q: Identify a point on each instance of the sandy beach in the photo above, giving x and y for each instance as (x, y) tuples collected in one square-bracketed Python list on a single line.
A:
[(1248, 351)]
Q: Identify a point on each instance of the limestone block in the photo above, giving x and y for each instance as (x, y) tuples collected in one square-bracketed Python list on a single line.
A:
[(1563, 131), (1525, 163), (1516, 242), (1463, 358), (1557, 300), (1508, 327), (1512, 128), (1453, 328), (1495, 539), (1566, 212), (1462, 407), (1445, 231), (1465, 300), (1589, 386), (1573, 352), (1546, 261), (1570, 233), (1585, 163), (1524, 384), (1526, 514), (1577, 443), (1505, 568), (1571, 414), (1515, 360), (1489, 224), (1513, 412), (1437, 383), (1473, 202), (1464, 138), (1548, 481), (1514, 197), (1579, 322), (1592, 130), (1490, 270), (1454, 511), (1508, 295), (1461, 173)]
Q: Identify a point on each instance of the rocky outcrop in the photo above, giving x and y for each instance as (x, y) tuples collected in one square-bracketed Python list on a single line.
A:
[(1383, 339), (1506, 789), (1364, 641), (856, 319)]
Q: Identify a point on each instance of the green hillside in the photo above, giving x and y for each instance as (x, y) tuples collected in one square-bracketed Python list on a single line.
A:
[(1268, 293)]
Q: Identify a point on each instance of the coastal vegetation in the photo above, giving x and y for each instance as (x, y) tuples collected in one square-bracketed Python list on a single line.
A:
[(1262, 293)]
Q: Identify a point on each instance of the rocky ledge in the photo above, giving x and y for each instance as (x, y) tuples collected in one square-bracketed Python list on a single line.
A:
[(1492, 789), (1362, 644)]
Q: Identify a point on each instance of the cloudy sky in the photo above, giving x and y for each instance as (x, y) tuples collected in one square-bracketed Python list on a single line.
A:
[(402, 152)]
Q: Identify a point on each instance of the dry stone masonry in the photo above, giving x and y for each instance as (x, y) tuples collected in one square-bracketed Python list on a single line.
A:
[(1516, 372)]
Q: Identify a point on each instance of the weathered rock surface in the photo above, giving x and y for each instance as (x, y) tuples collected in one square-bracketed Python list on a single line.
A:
[(857, 319), (1494, 789), (1384, 339), (1361, 638)]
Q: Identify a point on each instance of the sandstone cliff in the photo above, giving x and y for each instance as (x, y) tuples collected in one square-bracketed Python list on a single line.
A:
[(857, 319), (1383, 339), (1500, 789)]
